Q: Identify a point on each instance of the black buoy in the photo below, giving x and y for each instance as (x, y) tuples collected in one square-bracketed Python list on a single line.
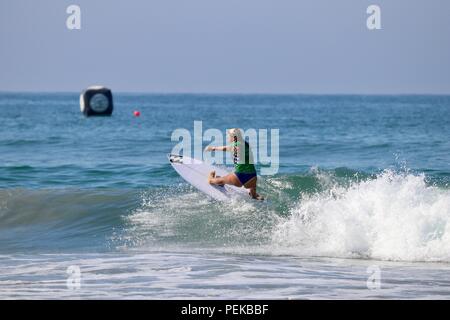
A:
[(96, 101)]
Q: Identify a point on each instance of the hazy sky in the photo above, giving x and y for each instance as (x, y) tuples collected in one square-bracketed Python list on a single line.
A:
[(257, 46)]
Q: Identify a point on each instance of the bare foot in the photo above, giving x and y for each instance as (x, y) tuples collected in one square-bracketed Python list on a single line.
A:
[(256, 196), (211, 176)]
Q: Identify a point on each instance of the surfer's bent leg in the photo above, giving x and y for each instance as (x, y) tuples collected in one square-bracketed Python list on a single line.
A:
[(251, 186), (228, 179)]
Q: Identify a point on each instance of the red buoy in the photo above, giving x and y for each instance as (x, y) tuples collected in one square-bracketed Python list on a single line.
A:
[(136, 113)]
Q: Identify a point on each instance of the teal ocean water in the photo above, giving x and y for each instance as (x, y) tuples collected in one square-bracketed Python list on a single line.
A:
[(363, 183)]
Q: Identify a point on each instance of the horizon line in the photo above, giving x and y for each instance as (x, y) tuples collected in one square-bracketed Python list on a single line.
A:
[(232, 93)]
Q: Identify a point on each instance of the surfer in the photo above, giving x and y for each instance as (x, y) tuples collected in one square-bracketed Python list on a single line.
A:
[(244, 170)]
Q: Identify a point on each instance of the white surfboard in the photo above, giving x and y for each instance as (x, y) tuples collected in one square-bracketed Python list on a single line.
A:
[(196, 173)]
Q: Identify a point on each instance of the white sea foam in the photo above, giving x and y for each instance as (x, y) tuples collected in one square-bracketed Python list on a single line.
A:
[(202, 275), (393, 217)]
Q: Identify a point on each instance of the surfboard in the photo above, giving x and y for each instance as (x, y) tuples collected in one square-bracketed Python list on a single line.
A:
[(196, 173)]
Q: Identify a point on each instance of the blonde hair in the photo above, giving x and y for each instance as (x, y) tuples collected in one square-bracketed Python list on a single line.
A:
[(235, 133)]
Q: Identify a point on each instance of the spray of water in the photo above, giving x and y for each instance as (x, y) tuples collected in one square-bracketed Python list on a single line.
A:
[(392, 217)]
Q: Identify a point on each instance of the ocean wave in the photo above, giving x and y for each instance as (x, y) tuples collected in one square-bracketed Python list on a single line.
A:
[(338, 213), (184, 217), (48, 220), (396, 216)]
